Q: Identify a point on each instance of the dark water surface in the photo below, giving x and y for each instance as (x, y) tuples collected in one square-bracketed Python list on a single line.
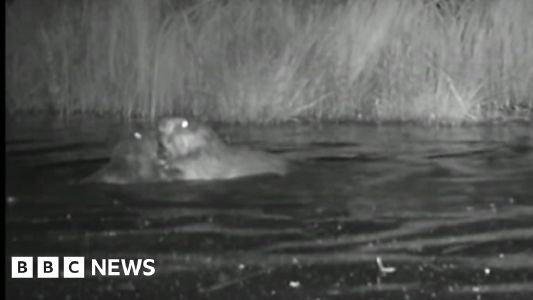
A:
[(451, 209)]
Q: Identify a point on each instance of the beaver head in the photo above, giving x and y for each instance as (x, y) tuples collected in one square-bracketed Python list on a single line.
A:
[(178, 137)]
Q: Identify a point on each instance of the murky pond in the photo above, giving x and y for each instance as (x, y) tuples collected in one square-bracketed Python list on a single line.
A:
[(367, 212)]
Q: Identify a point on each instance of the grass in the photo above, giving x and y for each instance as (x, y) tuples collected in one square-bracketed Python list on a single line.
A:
[(253, 61)]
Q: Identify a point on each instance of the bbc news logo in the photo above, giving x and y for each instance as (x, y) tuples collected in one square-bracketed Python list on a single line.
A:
[(74, 267)]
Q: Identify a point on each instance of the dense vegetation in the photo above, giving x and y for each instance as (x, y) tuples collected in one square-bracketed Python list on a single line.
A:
[(272, 61)]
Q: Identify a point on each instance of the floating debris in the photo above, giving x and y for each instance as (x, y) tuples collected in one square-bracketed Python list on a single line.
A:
[(295, 261), (294, 284), (384, 269)]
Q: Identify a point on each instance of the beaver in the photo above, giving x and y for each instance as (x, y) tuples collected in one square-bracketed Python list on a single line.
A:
[(196, 152), (135, 160)]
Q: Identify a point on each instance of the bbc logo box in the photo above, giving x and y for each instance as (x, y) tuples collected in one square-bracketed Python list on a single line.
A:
[(47, 267), (22, 267)]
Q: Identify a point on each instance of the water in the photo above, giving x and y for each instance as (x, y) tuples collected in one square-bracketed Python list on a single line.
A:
[(450, 209)]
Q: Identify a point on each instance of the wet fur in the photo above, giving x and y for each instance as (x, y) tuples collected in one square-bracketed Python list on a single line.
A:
[(199, 154)]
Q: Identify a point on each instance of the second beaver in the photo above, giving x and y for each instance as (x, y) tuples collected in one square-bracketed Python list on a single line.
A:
[(134, 160), (197, 153)]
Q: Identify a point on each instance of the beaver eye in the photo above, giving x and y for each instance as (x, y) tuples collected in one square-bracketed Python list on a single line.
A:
[(137, 135), (184, 124)]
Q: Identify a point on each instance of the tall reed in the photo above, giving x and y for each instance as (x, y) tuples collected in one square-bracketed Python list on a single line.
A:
[(272, 61)]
